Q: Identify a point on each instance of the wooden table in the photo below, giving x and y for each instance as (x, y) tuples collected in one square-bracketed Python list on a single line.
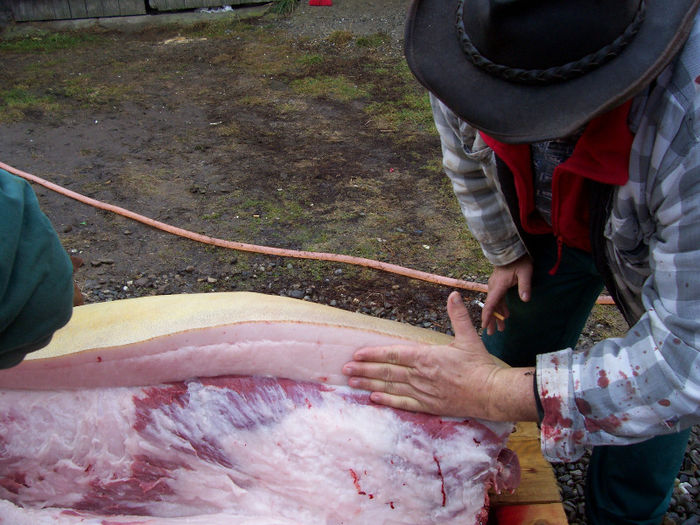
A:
[(537, 500)]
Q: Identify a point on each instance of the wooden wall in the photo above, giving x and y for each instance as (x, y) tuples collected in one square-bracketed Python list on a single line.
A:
[(28, 10), (174, 5)]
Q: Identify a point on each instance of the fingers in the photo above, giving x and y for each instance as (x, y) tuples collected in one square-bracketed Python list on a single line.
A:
[(400, 402), (524, 275), (403, 355), (462, 326), (386, 387), (392, 385), (375, 372), (495, 311)]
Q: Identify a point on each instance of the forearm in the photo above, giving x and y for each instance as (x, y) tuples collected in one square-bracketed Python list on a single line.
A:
[(469, 164)]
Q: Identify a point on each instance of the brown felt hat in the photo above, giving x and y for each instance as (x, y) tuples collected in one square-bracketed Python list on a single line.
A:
[(529, 70)]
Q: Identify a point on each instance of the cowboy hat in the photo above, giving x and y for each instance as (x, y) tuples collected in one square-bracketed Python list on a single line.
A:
[(529, 70)]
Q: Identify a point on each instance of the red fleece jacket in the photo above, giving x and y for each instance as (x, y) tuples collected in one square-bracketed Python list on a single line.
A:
[(601, 154)]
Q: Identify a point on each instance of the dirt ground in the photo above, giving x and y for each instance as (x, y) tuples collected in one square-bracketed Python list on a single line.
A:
[(213, 128), (304, 132)]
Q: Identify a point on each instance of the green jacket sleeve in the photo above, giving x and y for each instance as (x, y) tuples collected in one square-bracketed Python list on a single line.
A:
[(36, 282)]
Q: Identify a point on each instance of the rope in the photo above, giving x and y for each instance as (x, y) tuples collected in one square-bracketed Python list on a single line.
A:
[(254, 248)]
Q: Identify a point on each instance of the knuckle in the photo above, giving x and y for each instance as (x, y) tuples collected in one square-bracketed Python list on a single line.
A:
[(392, 356), (404, 404), (386, 373), (426, 370)]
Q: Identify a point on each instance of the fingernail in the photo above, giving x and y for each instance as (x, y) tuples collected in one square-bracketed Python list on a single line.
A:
[(524, 296), (347, 370), (456, 298)]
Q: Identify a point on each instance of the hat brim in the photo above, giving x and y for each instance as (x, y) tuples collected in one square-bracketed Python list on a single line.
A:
[(519, 113)]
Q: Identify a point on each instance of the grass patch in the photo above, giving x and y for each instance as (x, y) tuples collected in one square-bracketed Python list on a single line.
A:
[(212, 216), (16, 102), (228, 130), (341, 38), (310, 60), (606, 321), (48, 42), (337, 88), (284, 7), (372, 41), (412, 109), (223, 26), (83, 90)]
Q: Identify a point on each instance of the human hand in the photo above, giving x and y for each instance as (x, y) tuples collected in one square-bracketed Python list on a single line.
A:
[(460, 379), (518, 273), (78, 298)]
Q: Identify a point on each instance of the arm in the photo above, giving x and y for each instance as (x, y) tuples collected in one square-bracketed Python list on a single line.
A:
[(647, 383), (36, 284), (469, 164)]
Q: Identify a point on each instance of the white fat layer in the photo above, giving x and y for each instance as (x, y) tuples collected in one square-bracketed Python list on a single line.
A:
[(249, 458)]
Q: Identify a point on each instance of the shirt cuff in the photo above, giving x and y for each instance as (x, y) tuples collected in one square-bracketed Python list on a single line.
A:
[(562, 427), (506, 252)]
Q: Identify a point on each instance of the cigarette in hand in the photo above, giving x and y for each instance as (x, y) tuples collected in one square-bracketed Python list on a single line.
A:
[(495, 314)]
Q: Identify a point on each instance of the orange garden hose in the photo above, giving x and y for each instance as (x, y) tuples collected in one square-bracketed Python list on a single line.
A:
[(267, 250)]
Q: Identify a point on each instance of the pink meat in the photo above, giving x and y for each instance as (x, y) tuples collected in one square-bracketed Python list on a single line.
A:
[(254, 449)]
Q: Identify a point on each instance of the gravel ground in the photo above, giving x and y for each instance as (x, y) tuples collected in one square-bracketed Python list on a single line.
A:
[(364, 17)]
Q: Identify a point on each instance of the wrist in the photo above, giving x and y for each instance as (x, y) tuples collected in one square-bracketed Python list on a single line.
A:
[(511, 395)]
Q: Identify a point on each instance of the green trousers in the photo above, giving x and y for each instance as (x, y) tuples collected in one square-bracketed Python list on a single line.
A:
[(629, 484)]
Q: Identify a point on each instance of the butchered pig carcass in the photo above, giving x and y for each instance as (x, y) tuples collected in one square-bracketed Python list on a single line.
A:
[(230, 408)]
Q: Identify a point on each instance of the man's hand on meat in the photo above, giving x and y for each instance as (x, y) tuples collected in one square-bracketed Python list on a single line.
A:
[(459, 380)]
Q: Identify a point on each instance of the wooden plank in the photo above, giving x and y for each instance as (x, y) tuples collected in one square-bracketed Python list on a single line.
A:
[(19, 10), (61, 9), (78, 9), (132, 7), (97, 8), (537, 500), (93, 8), (175, 5), (538, 485), (23, 11), (166, 5), (542, 514), (28, 10), (110, 7)]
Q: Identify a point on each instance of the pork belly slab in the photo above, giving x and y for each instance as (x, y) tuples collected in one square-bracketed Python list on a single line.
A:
[(230, 409)]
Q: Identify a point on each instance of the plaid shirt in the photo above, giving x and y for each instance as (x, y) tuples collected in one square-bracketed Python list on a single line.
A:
[(622, 390)]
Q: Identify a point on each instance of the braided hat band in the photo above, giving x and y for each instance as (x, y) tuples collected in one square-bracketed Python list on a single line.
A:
[(554, 74)]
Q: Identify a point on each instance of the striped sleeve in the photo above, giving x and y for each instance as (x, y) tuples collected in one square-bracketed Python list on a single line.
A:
[(469, 163)]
